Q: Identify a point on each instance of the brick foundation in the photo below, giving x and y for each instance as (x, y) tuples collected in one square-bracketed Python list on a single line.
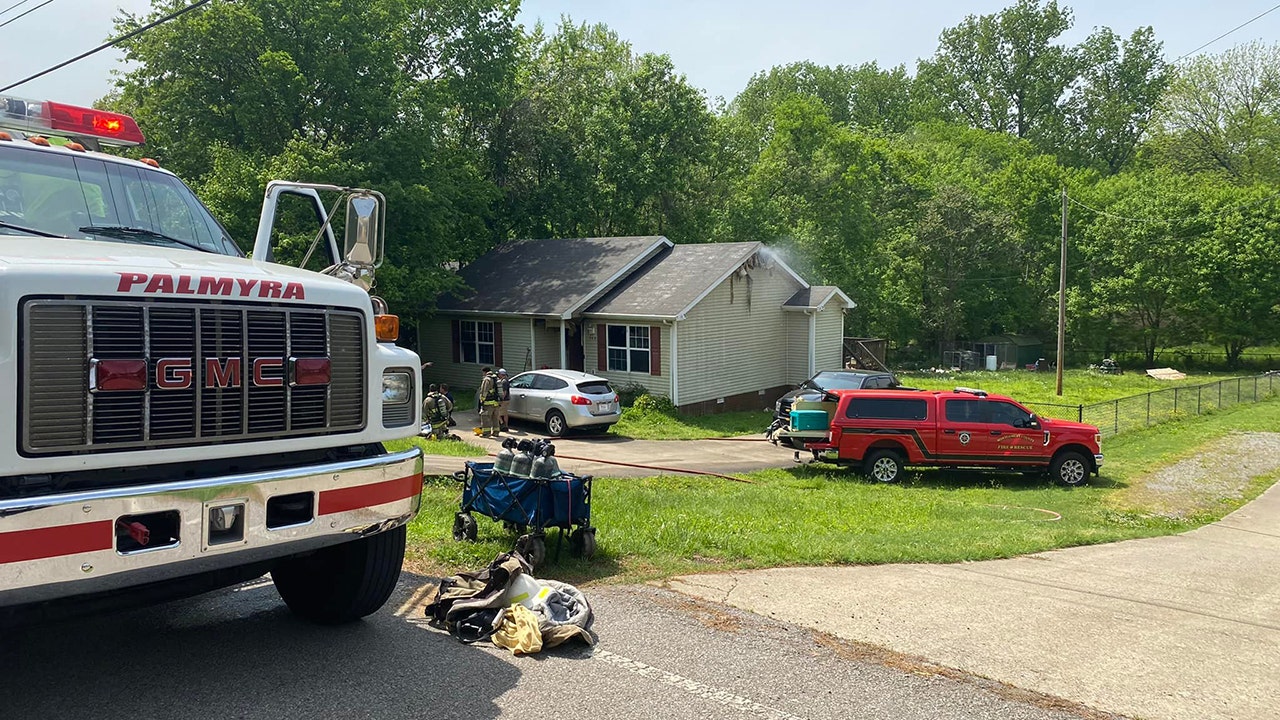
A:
[(743, 401)]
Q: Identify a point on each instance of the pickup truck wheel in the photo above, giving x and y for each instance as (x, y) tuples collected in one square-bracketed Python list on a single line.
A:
[(342, 583), (1071, 468), (883, 465)]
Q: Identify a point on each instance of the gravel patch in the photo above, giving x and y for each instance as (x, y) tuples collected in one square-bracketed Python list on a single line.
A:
[(1220, 471)]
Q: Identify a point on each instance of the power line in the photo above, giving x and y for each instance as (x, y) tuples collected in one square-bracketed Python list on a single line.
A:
[(24, 14), (108, 44), (18, 4), (1247, 22)]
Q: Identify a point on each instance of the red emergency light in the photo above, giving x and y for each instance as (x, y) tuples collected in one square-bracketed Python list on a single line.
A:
[(88, 122), (33, 117)]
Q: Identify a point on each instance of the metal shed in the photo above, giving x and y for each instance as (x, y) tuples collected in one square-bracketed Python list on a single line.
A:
[(1011, 351)]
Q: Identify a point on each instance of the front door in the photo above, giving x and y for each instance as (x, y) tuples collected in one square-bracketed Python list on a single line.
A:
[(520, 387), (573, 348), (1013, 436)]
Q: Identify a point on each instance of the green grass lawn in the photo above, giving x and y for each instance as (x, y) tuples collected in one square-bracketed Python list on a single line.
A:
[(651, 425), (820, 515), (1079, 387), (452, 448)]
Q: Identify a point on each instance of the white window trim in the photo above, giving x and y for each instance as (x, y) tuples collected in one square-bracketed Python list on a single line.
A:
[(462, 355), (628, 349)]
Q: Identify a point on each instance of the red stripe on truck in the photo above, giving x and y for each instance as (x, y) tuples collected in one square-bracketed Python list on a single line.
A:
[(23, 545), (363, 496)]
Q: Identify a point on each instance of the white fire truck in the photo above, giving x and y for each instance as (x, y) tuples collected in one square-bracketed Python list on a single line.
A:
[(179, 417)]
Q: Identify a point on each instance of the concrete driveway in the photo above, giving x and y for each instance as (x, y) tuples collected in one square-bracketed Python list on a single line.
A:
[(1179, 627), (619, 457)]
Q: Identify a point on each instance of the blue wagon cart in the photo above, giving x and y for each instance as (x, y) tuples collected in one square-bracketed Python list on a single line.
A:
[(528, 506)]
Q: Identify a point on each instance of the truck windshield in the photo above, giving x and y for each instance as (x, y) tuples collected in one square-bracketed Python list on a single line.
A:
[(52, 194)]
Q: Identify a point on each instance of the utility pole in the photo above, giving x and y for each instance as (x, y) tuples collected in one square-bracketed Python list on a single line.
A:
[(1062, 294)]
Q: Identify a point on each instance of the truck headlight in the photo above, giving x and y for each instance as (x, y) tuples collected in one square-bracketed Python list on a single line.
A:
[(397, 388)]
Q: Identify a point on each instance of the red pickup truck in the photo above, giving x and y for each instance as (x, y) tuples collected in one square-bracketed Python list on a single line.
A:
[(884, 431)]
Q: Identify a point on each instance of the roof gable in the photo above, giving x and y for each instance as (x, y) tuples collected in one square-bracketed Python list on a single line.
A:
[(549, 277), (816, 297), (676, 279)]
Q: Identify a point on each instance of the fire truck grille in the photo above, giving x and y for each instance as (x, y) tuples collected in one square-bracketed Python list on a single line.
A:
[(213, 374)]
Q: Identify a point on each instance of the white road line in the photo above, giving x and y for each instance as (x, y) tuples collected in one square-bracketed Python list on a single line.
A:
[(693, 687), (253, 586)]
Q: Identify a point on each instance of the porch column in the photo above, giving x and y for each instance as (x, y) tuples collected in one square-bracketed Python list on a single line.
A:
[(564, 344)]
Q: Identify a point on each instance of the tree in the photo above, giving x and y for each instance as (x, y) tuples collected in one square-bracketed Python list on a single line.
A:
[(1110, 110), (1137, 257), (1004, 72), (865, 96), (1237, 271), (1222, 114)]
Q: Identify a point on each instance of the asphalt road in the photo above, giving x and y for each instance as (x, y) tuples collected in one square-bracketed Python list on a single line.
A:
[(239, 654)]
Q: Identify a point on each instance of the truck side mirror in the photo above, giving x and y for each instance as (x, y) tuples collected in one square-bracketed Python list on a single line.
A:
[(363, 240)]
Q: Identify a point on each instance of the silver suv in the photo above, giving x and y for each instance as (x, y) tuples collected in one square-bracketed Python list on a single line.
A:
[(564, 400)]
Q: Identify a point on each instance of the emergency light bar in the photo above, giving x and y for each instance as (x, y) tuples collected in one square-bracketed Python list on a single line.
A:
[(33, 117)]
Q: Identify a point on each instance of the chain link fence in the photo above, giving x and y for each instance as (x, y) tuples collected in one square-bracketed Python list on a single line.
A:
[(1139, 411)]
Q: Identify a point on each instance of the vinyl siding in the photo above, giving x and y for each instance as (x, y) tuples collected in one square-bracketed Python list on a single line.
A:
[(436, 346), (797, 325), (655, 384), (727, 349), (830, 336)]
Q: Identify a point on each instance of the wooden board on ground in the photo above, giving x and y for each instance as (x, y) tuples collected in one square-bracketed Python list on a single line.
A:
[(1166, 374)]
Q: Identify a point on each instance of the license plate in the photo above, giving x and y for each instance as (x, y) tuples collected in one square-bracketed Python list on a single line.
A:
[(606, 407)]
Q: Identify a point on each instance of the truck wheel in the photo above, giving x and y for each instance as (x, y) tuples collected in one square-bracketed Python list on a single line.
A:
[(883, 465), (342, 583), (556, 425), (1071, 468)]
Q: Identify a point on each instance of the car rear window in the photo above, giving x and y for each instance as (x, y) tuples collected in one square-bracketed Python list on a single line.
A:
[(887, 409), (595, 387)]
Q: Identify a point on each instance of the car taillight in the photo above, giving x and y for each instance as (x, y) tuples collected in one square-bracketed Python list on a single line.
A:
[(579, 400)]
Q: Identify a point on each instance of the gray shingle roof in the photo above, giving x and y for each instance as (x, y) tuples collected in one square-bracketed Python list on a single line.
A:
[(811, 297), (670, 282), (547, 277)]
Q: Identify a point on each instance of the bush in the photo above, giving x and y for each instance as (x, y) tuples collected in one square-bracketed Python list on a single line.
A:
[(660, 404), (628, 393)]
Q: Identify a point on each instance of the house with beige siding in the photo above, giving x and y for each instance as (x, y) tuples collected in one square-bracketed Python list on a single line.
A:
[(715, 326)]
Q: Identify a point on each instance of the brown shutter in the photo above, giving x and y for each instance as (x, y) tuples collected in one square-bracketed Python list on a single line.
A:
[(497, 343), (655, 349), (457, 341), (602, 351)]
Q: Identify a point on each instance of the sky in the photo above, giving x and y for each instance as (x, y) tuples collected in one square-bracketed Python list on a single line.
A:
[(717, 44)]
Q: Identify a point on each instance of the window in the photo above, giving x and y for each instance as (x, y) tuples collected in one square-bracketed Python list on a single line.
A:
[(1004, 413), (628, 348), (967, 411), (887, 409), (522, 382), (476, 339), (546, 382)]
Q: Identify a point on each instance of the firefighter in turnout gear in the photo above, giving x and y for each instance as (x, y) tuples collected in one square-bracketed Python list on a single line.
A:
[(435, 413), (490, 396)]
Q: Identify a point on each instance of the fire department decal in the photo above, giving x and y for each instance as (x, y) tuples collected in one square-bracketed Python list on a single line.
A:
[(964, 438)]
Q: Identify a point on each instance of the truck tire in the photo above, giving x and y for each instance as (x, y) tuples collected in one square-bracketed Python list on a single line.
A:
[(883, 466), (1070, 468), (342, 583)]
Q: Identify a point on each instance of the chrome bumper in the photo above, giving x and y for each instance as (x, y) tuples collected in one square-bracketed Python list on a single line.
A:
[(1097, 460), (63, 545)]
